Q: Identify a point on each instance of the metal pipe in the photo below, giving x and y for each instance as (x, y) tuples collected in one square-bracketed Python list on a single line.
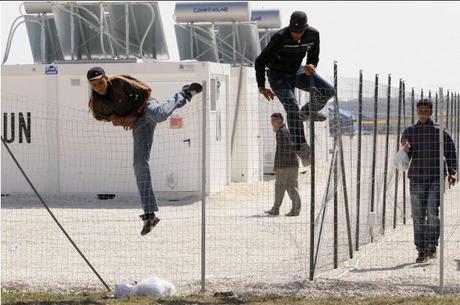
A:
[(203, 185), (336, 123), (53, 216), (10, 40), (127, 30), (343, 173), (136, 29), (72, 33), (452, 121), (404, 173), (234, 42), (312, 187), (358, 168), (436, 107), (345, 195), (101, 28), (43, 40), (13, 28), (374, 154), (109, 40), (447, 110), (458, 126), (441, 197), (192, 45), (413, 105), (385, 171), (237, 106), (395, 201), (324, 208), (147, 30)]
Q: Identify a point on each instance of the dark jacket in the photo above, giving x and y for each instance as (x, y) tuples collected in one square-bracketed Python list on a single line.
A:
[(285, 55), (125, 96), (424, 152), (285, 156)]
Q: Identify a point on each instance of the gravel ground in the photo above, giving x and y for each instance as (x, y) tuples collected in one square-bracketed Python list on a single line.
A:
[(246, 252)]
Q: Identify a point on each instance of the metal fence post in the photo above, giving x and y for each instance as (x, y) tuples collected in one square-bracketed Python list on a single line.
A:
[(312, 187), (436, 107), (404, 173), (385, 171), (458, 125), (412, 105), (447, 110), (374, 156), (203, 185), (395, 202), (454, 131), (335, 174), (452, 115), (358, 174), (441, 196), (343, 176)]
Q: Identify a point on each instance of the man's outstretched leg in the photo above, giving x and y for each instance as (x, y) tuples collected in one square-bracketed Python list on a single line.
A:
[(158, 113), (143, 138), (322, 92)]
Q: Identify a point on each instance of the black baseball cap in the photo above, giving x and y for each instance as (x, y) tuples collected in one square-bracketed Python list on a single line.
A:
[(95, 73), (298, 22)]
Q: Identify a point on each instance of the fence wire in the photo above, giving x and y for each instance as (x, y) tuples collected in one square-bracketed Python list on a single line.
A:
[(364, 206)]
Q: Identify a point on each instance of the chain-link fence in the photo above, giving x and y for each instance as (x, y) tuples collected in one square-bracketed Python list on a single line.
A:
[(355, 222)]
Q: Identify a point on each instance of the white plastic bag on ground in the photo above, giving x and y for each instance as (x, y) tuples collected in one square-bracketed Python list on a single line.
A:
[(401, 160), (152, 286)]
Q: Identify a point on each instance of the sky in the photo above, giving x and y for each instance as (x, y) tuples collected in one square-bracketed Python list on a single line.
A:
[(416, 41)]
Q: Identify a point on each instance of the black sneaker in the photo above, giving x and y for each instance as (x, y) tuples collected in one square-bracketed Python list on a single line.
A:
[(272, 212), (304, 153), (312, 115), (150, 220), (190, 90), (421, 258), (431, 253), (292, 213)]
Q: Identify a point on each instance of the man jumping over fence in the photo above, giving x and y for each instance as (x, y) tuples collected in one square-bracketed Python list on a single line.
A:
[(283, 56), (126, 102), (421, 142)]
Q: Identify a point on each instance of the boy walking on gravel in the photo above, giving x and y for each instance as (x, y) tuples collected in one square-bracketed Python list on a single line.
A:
[(286, 168), (421, 142)]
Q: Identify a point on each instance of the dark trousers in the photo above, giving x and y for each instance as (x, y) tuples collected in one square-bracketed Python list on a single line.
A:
[(283, 86), (425, 196)]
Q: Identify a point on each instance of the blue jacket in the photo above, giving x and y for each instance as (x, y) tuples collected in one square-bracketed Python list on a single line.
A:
[(424, 152)]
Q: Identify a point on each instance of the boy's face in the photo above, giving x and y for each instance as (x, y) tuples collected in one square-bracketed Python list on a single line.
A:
[(276, 122), (99, 85), (424, 113), (297, 35)]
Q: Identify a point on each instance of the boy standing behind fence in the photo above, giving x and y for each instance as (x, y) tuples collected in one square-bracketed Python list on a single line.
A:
[(421, 142), (286, 168)]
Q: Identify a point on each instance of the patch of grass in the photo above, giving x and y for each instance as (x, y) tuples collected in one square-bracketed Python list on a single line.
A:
[(42, 298)]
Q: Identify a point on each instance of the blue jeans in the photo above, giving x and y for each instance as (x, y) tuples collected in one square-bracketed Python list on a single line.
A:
[(143, 139), (283, 86), (425, 196)]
